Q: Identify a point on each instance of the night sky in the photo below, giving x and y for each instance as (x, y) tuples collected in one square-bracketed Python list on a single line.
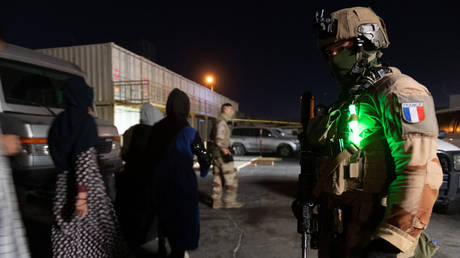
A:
[(263, 55)]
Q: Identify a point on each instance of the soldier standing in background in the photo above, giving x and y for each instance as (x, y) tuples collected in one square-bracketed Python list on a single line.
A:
[(224, 168), (378, 172)]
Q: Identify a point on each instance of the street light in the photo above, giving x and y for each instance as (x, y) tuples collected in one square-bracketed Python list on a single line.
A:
[(210, 81)]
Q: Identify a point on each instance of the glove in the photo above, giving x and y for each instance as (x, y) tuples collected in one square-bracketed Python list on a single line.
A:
[(380, 248)]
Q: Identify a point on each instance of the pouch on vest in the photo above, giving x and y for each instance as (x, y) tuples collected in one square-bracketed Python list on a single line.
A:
[(342, 173)]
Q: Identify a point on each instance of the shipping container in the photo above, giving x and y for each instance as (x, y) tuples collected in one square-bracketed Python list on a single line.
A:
[(123, 81)]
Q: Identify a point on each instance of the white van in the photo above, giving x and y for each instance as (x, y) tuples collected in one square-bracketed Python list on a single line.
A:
[(31, 96)]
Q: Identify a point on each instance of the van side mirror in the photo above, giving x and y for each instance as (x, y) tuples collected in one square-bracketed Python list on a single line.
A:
[(442, 134)]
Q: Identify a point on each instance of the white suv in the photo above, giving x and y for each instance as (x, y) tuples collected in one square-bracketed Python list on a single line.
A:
[(262, 140), (449, 193)]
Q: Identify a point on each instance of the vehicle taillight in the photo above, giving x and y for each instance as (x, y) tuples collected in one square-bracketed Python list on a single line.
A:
[(34, 140), (35, 146)]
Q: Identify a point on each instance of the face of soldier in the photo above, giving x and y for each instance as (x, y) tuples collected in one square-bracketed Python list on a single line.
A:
[(229, 112), (341, 58)]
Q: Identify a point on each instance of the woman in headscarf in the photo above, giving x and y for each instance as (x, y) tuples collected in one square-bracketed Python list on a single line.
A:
[(133, 202), (173, 143), (85, 224), (135, 139)]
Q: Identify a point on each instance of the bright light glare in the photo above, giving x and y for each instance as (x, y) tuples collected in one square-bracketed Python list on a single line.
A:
[(209, 79), (354, 126)]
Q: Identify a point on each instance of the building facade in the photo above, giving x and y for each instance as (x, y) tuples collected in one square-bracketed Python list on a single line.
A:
[(123, 81)]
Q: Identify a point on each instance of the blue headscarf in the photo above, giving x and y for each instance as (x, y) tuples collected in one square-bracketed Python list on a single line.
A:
[(74, 130)]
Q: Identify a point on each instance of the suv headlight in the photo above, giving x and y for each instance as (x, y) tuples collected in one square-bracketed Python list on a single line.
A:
[(457, 161)]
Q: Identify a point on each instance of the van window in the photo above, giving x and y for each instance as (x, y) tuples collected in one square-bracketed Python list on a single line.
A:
[(32, 85)]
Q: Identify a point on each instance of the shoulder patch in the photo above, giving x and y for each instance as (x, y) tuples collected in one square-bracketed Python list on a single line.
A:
[(413, 112), (418, 114)]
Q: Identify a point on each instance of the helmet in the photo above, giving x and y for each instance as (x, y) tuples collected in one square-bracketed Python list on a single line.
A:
[(349, 23)]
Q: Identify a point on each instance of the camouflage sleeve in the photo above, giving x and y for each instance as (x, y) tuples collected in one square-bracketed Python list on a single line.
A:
[(221, 135), (409, 122)]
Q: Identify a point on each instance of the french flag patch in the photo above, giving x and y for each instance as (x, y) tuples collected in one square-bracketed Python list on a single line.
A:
[(413, 112)]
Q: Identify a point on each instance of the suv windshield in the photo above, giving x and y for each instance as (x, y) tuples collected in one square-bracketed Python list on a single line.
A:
[(32, 85)]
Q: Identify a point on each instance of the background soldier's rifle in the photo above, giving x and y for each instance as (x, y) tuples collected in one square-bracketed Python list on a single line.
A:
[(307, 223)]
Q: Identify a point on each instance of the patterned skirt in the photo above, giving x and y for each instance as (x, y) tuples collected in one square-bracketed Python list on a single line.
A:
[(95, 235)]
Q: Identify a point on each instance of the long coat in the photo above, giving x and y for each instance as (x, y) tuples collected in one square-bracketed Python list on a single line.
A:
[(176, 193)]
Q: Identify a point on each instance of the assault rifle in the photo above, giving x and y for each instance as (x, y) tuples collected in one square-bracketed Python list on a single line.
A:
[(302, 207)]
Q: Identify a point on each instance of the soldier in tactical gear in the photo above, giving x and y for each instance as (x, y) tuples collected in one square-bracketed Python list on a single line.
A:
[(378, 174), (223, 166)]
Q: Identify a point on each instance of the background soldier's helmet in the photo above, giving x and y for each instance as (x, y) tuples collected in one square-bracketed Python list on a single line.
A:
[(349, 23)]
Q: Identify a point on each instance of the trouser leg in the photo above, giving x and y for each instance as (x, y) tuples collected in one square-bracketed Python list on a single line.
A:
[(231, 186), (217, 185)]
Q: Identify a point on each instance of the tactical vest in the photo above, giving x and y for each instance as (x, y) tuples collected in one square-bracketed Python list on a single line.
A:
[(343, 166)]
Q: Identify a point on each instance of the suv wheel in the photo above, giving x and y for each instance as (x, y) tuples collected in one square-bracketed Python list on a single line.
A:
[(239, 149), (284, 151)]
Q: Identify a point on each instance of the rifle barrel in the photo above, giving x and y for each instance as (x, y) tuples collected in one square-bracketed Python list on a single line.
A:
[(304, 244)]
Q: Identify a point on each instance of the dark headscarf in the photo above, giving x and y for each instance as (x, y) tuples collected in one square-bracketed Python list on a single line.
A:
[(74, 130), (165, 131), (178, 105)]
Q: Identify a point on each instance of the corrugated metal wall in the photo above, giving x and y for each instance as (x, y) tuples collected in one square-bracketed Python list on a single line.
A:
[(109, 65)]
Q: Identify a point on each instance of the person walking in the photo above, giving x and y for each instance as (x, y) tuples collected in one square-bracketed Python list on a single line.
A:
[(223, 166), (172, 145), (13, 242), (85, 224), (134, 183)]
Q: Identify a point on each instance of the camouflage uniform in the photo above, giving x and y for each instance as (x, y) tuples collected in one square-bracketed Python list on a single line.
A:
[(387, 187), (224, 172), (397, 167)]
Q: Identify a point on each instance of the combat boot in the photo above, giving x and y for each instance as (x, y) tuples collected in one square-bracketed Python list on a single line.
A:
[(217, 204), (233, 204), (230, 199)]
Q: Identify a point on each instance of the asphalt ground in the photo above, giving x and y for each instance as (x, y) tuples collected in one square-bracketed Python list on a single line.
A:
[(264, 227)]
